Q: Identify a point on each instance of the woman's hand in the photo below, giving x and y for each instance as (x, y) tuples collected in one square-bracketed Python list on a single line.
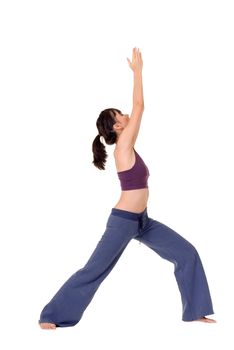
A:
[(137, 64)]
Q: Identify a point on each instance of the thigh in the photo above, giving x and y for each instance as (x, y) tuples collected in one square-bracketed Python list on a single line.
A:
[(118, 233), (166, 242)]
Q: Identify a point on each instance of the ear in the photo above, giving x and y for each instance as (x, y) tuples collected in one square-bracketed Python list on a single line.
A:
[(117, 126)]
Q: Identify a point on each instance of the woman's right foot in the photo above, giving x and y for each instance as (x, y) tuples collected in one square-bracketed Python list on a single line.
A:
[(45, 325), (206, 319)]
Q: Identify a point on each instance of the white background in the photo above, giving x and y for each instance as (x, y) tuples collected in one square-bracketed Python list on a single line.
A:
[(62, 62)]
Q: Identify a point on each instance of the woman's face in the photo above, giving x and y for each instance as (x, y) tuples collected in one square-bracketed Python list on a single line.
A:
[(122, 120)]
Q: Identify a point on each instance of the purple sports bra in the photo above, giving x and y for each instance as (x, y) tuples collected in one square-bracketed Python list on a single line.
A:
[(136, 177)]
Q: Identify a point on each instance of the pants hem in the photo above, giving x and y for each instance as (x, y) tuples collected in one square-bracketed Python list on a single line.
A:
[(187, 319)]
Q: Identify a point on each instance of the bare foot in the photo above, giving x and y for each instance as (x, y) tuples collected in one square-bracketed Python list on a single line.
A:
[(207, 320), (45, 325)]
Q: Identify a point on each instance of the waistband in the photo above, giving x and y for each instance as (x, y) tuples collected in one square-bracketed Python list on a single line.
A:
[(129, 214)]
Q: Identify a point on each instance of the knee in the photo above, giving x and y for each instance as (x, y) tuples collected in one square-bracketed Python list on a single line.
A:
[(192, 254), (192, 250), (189, 256)]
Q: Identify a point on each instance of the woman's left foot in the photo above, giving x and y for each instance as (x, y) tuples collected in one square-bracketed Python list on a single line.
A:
[(207, 320)]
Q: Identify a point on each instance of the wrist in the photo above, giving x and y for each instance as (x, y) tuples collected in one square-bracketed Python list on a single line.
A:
[(137, 73)]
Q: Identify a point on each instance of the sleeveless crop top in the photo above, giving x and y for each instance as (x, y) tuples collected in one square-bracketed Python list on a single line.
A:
[(135, 177)]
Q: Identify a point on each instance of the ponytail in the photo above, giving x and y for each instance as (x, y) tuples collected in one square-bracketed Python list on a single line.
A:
[(104, 124), (99, 153)]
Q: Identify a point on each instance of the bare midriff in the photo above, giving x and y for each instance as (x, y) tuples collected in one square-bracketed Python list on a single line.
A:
[(133, 200)]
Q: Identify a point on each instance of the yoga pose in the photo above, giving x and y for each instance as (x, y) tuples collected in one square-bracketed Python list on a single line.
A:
[(128, 220)]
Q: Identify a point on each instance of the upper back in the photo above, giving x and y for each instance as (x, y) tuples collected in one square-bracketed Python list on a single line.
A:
[(132, 175)]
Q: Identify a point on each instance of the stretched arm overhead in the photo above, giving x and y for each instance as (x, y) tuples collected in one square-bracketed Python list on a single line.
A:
[(129, 135)]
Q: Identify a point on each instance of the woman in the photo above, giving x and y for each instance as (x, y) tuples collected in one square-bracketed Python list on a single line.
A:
[(129, 219)]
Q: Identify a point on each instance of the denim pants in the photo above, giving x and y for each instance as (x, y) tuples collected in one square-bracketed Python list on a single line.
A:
[(67, 306)]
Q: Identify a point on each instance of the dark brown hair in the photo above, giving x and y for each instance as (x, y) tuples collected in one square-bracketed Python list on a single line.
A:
[(104, 124)]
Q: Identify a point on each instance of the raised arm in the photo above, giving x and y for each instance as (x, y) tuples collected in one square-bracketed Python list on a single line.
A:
[(129, 134)]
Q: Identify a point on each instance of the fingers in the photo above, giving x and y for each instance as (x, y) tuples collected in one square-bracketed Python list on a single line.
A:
[(136, 59), (136, 53)]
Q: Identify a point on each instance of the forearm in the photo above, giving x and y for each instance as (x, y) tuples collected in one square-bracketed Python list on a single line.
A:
[(138, 97)]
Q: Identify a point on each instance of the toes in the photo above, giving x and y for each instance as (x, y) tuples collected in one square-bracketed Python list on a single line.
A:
[(47, 325), (206, 320)]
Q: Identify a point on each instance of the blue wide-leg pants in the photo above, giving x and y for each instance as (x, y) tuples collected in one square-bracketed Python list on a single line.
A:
[(67, 306)]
